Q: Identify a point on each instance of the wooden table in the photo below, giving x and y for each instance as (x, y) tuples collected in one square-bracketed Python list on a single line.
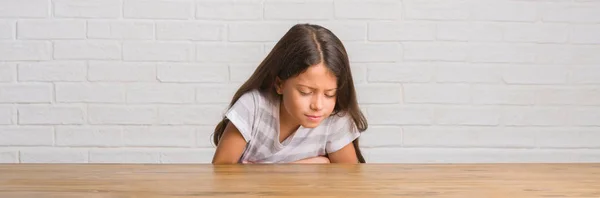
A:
[(367, 180)]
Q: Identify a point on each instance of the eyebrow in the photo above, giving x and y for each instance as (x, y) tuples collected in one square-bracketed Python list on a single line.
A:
[(316, 88)]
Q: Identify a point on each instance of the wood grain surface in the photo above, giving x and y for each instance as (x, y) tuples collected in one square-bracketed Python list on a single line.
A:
[(333, 180)]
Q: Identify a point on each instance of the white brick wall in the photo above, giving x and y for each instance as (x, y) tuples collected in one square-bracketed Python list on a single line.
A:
[(145, 81)]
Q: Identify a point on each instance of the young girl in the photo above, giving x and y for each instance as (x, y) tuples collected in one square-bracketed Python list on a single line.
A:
[(299, 106)]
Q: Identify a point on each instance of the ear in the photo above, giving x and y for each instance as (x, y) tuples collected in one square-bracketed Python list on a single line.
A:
[(278, 85)]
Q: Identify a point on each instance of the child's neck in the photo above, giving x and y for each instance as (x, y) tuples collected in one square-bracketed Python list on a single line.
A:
[(286, 124)]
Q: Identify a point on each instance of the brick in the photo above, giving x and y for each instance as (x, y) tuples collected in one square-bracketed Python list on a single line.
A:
[(269, 31), (497, 11), (503, 95), (404, 31), (169, 9), (467, 73), (469, 137), (373, 52), (8, 156), (51, 114), (187, 156), (582, 75), (190, 115), (580, 12), (24, 8), (554, 54), (468, 116), (359, 73), (196, 31), (130, 30), (103, 136), (54, 155), (437, 10), (585, 96), (479, 155), (26, 93), (437, 94), (88, 8), (401, 115), (124, 155), (372, 137), (585, 54), (240, 72), (50, 29), (6, 115), (55, 71), (584, 116), (502, 53), (229, 52), (206, 94), (286, 10), (457, 31), (346, 31), (121, 114), (371, 94), (470, 31), (160, 93), (8, 72), (540, 33), (158, 51), (534, 75), (204, 138), (87, 50), (122, 71), (229, 9), (371, 9), (164, 136), (26, 136), (557, 95), (7, 29), (269, 47), (579, 137), (90, 93), (534, 116), (25, 50), (439, 51), (585, 34), (193, 73)]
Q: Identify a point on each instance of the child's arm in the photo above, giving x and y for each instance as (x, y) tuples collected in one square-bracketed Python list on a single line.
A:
[(231, 146), (313, 160), (347, 154)]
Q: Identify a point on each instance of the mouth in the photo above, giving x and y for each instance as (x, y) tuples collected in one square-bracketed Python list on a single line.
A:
[(313, 117)]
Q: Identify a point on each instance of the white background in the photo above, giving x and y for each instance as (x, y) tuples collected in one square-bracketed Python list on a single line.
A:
[(145, 81)]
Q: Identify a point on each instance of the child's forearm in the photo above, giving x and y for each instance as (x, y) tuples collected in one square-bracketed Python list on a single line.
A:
[(313, 160)]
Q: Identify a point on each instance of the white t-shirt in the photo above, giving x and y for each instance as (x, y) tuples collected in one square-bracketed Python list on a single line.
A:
[(257, 119)]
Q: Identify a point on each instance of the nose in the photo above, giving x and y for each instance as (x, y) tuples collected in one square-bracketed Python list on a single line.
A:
[(316, 103)]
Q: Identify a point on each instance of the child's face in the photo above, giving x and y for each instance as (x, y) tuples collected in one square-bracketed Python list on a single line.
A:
[(309, 97)]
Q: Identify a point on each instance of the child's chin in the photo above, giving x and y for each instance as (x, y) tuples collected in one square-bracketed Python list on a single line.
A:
[(311, 124)]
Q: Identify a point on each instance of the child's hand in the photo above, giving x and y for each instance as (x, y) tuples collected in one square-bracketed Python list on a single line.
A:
[(314, 160)]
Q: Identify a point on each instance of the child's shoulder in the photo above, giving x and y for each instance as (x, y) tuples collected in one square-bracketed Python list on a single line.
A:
[(253, 94), (338, 119), (341, 123), (256, 97)]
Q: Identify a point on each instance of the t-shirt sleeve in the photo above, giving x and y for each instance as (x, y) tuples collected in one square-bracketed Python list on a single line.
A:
[(341, 133), (243, 113)]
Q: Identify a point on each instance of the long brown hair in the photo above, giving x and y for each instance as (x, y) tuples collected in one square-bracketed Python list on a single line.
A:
[(302, 46)]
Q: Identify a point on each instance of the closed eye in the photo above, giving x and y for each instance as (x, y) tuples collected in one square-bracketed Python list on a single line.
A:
[(305, 93)]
